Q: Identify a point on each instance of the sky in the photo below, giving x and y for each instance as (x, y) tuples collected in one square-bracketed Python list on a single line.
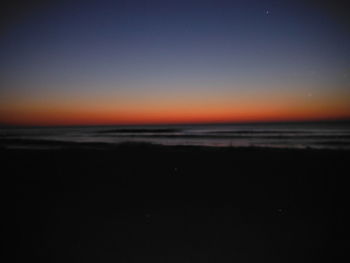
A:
[(151, 62)]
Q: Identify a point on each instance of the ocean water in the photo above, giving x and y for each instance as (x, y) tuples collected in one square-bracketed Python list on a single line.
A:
[(330, 135)]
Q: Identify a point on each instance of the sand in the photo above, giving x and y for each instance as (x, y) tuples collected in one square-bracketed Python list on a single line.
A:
[(149, 203)]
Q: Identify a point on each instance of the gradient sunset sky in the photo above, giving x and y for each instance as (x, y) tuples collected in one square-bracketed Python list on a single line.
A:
[(137, 62)]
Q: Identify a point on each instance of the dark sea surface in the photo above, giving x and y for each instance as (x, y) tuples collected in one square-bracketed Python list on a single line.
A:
[(318, 135)]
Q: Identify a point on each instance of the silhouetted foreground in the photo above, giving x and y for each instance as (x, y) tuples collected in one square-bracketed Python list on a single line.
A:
[(148, 203)]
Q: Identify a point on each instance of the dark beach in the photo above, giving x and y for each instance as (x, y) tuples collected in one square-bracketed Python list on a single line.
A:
[(151, 203)]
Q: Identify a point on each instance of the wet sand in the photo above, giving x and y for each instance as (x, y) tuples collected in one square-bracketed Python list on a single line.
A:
[(149, 203)]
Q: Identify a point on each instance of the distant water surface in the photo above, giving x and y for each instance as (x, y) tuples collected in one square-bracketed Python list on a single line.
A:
[(330, 135)]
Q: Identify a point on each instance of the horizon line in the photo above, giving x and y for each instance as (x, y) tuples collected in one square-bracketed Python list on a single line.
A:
[(320, 120)]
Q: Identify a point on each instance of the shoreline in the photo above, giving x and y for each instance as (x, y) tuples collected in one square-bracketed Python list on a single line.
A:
[(48, 144)]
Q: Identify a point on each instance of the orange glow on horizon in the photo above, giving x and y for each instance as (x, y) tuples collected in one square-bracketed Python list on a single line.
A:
[(173, 110), (165, 116)]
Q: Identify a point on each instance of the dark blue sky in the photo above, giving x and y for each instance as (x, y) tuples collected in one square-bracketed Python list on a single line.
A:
[(130, 56)]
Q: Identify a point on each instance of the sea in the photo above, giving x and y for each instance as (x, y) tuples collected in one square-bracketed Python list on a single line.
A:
[(317, 135)]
